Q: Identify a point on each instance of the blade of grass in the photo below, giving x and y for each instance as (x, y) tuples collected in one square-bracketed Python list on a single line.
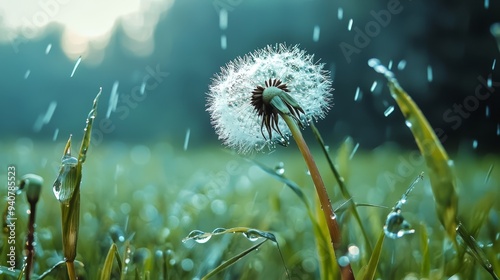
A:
[(232, 260), (368, 271), (108, 262), (342, 187)]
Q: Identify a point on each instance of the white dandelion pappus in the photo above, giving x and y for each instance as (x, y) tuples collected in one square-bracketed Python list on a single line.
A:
[(229, 98)]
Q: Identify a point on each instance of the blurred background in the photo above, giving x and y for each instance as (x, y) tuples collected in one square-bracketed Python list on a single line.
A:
[(155, 59)]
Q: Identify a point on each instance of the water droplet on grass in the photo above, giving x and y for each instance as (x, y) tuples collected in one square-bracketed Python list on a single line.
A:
[(198, 236), (279, 168), (408, 124), (64, 185), (396, 226), (252, 236), (389, 111), (218, 230)]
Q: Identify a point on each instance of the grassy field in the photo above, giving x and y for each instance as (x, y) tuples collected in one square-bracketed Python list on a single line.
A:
[(146, 198)]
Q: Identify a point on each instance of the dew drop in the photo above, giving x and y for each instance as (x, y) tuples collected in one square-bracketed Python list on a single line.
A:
[(279, 168), (408, 124), (340, 13), (218, 230), (316, 32), (388, 111), (198, 236), (76, 66), (64, 184), (402, 65), (349, 26), (251, 235), (396, 226)]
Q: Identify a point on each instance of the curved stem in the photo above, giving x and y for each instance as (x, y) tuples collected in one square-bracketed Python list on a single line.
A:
[(326, 206)]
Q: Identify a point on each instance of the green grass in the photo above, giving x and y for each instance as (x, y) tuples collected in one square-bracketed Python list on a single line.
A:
[(153, 206)]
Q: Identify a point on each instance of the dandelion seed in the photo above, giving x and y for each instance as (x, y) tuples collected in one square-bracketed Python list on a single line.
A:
[(113, 99), (494, 64), (429, 73), (358, 95), (48, 48), (316, 33), (374, 85), (223, 19), (76, 66), (340, 13), (388, 111), (233, 98), (402, 65), (349, 26), (27, 74), (186, 139), (223, 42)]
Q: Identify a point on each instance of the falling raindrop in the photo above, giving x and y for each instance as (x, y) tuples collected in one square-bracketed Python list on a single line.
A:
[(389, 66), (487, 111), (374, 85), (494, 64), (48, 48), (340, 13), (474, 144), (143, 87), (388, 111), (56, 132), (186, 139), (349, 26), (27, 74), (50, 112), (354, 150), (358, 95), (223, 42), (486, 4), (76, 65), (316, 33), (498, 129), (429, 73), (488, 175), (402, 65), (279, 168), (113, 99), (223, 19)]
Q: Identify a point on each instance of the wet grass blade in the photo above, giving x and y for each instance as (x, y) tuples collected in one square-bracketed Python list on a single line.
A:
[(233, 260), (368, 271), (326, 255), (436, 158), (108, 262), (343, 188), (424, 250)]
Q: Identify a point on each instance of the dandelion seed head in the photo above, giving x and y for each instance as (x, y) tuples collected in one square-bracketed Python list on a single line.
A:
[(229, 100)]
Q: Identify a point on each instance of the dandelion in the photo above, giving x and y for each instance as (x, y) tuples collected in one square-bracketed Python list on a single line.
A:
[(262, 98), (233, 97)]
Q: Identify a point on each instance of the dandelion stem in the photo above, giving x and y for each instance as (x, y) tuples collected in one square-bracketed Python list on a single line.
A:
[(326, 206)]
